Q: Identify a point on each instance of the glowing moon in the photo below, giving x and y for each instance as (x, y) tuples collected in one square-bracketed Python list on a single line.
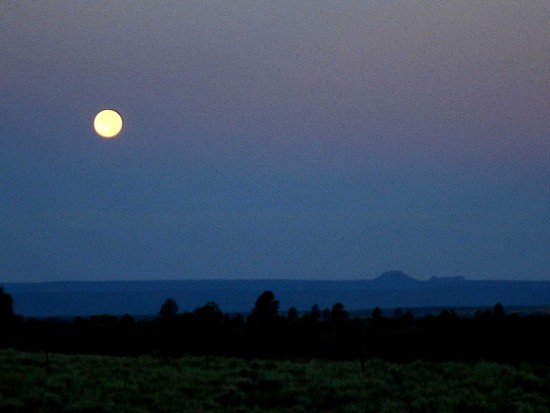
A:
[(108, 123)]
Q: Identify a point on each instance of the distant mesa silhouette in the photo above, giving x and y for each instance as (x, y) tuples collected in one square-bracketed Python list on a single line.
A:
[(395, 279)]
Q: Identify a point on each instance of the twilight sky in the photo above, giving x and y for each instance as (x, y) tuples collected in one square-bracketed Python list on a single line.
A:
[(275, 139)]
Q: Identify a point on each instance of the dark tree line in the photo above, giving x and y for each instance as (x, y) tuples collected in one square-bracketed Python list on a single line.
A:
[(266, 333)]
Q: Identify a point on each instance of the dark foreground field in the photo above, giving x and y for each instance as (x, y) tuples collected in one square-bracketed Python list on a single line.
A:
[(77, 383)]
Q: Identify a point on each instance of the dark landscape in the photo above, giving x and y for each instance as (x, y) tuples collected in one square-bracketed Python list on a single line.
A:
[(106, 384), (388, 291), (205, 206), (270, 360)]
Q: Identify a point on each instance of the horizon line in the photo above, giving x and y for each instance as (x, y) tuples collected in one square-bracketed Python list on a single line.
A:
[(273, 279)]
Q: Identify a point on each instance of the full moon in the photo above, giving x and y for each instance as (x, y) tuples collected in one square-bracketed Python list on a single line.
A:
[(108, 123)]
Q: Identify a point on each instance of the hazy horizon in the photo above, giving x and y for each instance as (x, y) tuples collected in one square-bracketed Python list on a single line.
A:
[(275, 279), (289, 140)]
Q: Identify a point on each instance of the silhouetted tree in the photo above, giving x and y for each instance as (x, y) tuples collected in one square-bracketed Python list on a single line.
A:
[(266, 308), (6, 306), (169, 309), (338, 312), (315, 312), (262, 325), (209, 314), (292, 314), (7, 319), (498, 311), (209, 318), (376, 314), (326, 314)]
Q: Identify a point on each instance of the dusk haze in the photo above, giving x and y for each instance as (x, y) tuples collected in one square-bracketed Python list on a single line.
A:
[(275, 140), (274, 206)]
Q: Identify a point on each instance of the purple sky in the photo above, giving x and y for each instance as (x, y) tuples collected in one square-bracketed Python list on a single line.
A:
[(329, 140)]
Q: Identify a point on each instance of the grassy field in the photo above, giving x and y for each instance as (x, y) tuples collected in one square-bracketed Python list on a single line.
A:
[(79, 383)]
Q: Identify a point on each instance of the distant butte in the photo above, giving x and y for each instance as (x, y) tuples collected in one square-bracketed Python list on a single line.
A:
[(395, 279)]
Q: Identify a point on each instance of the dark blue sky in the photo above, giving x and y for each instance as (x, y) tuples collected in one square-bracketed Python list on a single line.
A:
[(329, 140)]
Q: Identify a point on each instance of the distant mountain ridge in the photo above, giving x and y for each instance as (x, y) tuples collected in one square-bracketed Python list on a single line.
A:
[(389, 290), (395, 279)]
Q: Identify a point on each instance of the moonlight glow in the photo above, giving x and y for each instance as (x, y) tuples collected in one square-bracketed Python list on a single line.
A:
[(108, 123)]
